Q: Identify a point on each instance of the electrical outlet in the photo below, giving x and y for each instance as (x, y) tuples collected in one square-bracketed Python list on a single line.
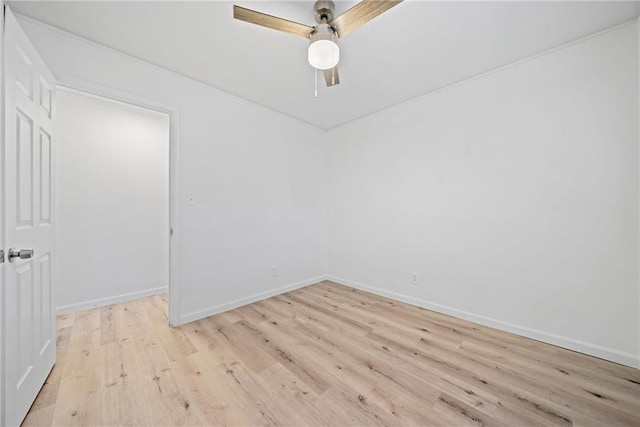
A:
[(274, 271), (414, 278)]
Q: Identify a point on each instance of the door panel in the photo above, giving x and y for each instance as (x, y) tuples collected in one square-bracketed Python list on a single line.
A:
[(24, 276), (24, 163), (45, 178), (28, 336), (44, 309)]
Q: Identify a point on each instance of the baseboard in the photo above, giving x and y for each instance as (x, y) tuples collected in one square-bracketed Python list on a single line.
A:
[(71, 308), (201, 314), (613, 355)]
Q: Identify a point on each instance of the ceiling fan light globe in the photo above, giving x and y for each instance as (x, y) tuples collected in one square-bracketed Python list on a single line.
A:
[(324, 54)]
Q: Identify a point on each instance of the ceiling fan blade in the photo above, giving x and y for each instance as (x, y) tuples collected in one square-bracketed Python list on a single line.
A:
[(360, 14), (331, 76), (273, 22)]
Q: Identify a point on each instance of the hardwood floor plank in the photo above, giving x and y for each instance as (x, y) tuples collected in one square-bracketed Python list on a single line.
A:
[(224, 393), (107, 325), (239, 344), (288, 356), (301, 408), (175, 342)]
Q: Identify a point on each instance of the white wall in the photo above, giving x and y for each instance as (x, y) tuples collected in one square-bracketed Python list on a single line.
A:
[(112, 200), (514, 196), (257, 177)]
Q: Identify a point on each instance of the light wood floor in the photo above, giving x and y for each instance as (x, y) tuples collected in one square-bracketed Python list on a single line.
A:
[(322, 355)]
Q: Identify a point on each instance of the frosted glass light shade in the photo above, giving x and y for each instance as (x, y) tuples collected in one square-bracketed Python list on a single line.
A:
[(324, 52)]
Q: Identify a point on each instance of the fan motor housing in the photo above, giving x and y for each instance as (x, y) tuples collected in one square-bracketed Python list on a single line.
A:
[(324, 32), (323, 11)]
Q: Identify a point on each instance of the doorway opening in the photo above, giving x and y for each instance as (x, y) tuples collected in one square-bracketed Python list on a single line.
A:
[(112, 201)]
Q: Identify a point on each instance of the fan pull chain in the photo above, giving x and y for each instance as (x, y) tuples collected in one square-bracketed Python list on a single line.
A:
[(315, 80)]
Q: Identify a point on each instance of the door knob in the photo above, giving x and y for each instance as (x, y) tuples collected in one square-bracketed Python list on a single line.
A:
[(22, 254)]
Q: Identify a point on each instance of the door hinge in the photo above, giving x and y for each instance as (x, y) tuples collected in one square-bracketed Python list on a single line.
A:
[(171, 232), (1, 256)]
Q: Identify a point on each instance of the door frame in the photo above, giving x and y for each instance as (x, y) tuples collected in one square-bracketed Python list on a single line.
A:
[(2, 204), (174, 194)]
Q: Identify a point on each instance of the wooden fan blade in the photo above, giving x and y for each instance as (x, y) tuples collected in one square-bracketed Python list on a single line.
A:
[(331, 76), (360, 14), (273, 22)]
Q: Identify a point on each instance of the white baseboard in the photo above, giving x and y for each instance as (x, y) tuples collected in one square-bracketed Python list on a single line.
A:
[(201, 314), (613, 355), (71, 308)]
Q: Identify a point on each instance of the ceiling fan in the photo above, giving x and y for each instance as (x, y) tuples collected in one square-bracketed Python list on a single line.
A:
[(323, 53)]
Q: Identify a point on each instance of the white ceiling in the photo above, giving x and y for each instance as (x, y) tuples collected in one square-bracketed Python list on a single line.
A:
[(412, 49)]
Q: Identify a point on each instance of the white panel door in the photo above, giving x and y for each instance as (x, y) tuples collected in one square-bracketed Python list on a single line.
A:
[(28, 336)]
